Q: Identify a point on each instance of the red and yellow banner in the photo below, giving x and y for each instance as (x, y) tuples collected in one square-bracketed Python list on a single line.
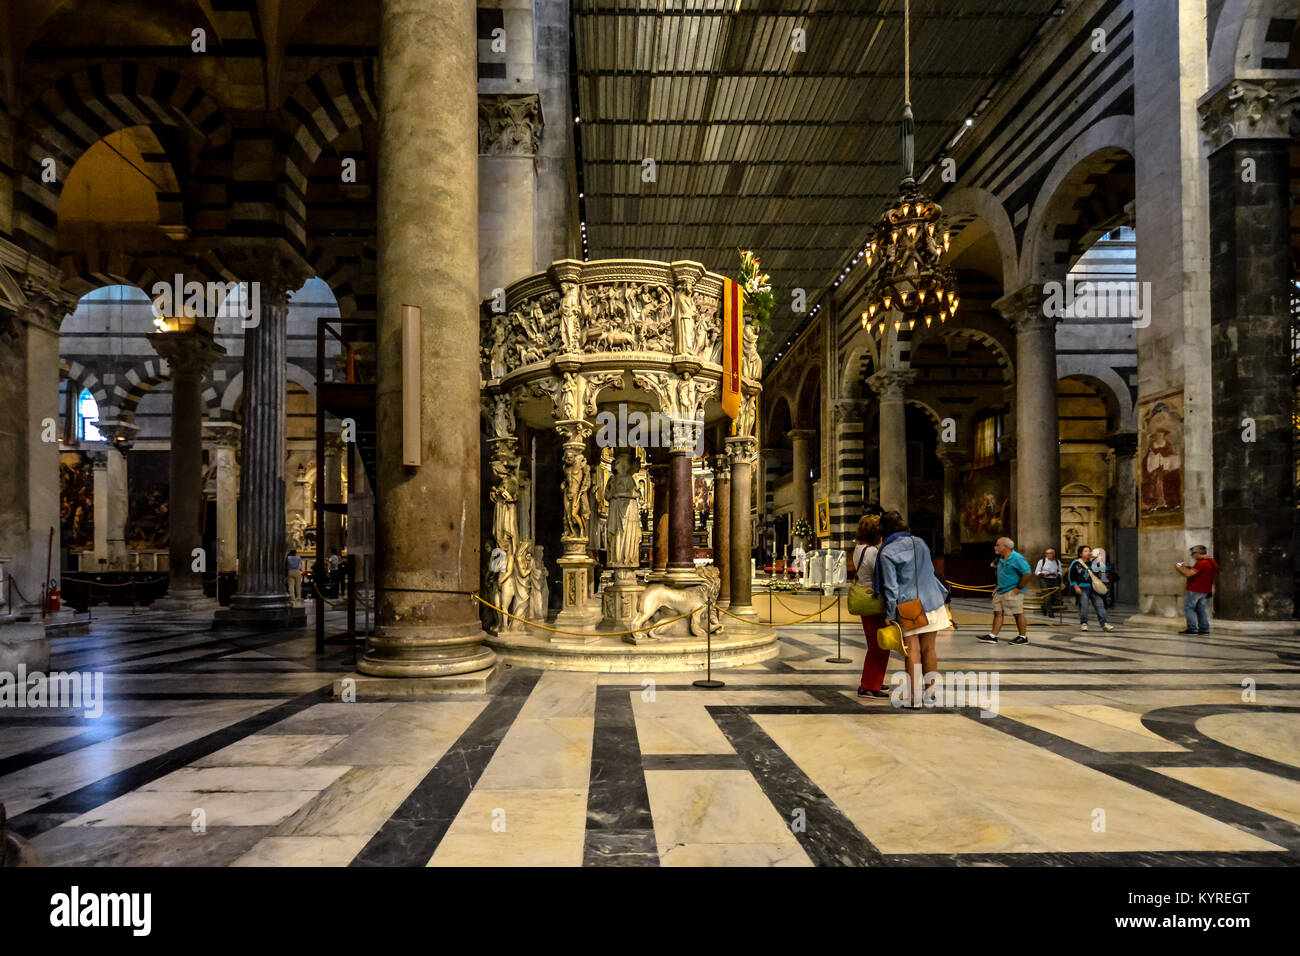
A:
[(733, 298)]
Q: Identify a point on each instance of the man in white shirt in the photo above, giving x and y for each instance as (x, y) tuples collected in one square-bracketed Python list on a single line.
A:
[(1048, 571)]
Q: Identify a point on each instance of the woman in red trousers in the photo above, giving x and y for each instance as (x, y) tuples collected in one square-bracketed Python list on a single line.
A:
[(863, 566)]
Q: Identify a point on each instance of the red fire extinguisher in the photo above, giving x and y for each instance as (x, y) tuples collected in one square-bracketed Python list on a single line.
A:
[(54, 597)]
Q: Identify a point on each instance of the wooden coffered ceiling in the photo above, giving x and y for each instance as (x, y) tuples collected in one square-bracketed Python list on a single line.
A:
[(756, 146)]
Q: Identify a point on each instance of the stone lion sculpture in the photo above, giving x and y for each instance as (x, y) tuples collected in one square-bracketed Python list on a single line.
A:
[(670, 602)]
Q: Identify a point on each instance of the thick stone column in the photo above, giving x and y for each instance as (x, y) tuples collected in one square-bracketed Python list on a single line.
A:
[(29, 413), (1038, 457), (952, 460), (801, 486), (262, 596), (427, 515), (120, 436), (742, 453), (1250, 323), (99, 464), (851, 471), (225, 440), (1124, 549), (722, 530), (890, 385), (189, 354), (659, 562)]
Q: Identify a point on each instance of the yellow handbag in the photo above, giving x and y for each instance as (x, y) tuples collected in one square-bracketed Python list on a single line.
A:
[(890, 638)]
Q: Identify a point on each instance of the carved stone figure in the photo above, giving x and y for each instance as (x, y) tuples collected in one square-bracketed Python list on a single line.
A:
[(751, 363), (505, 498), (623, 528), (521, 602), (672, 602), (577, 479), (684, 301), (538, 605), (503, 417), (745, 417), (570, 317), (497, 351)]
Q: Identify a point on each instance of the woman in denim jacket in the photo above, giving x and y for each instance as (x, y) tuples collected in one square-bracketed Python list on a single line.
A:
[(905, 572)]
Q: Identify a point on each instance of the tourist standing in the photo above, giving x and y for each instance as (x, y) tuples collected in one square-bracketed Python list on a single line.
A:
[(862, 565), (1080, 579), (1102, 567), (293, 573), (1200, 585), (1048, 572), (905, 577), (1009, 592)]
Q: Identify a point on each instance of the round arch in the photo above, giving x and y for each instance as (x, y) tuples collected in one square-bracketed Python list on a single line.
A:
[(1240, 35), (1095, 151), (976, 205), (1113, 391)]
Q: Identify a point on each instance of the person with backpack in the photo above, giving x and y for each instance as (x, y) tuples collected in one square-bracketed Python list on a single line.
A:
[(914, 596), (1200, 586), (1081, 578), (862, 568)]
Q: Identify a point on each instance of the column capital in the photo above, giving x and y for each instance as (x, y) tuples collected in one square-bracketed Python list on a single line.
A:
[(850, 410), (1024, 309), (222, 434), (192, 351), (99, 460), (890, 382), (1248, 109), (574, 432), (272, 264), (802, 434), (1122, 443), (952, 457), (742, 450), (509, 124), (720, 465), (39, 304), (121, 434)]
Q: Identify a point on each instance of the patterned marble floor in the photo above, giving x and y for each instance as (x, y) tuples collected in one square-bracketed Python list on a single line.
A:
[(225, 748)]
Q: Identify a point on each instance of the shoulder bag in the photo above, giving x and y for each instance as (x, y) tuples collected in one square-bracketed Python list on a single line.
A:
[(863, 601), (911, 614)]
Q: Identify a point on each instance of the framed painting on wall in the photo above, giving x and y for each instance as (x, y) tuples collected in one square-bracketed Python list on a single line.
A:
[(823, 510), (1160, 460)]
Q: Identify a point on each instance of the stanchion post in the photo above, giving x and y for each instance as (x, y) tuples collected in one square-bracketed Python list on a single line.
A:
[(839, 657), (708, 682)]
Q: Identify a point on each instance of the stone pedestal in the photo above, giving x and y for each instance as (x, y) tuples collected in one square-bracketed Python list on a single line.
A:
[(1038, 458), (619, 600), (890, 385), (742, 453), (189, 354), (24, 644), (427, 515), (577, 575)]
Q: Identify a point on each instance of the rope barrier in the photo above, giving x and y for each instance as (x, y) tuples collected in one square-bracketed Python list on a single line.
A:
[(990, 588)]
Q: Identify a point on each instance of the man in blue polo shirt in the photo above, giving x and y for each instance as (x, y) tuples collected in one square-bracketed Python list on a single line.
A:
[(1009, 595)]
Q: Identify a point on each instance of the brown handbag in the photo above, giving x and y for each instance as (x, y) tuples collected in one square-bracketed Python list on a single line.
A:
[(911, 614)]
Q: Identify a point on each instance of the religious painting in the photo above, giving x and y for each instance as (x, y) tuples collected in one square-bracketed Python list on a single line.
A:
[(823, 509), (986, 504), (702, 492), (1160, 459), (76, 501), (147, 509)]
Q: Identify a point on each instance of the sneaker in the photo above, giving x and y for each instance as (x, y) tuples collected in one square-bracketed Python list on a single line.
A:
[(989, 638), (1020, 639), (872, 693), (1083, 627), (1186, 631), (1108, 627), (1203, 632)]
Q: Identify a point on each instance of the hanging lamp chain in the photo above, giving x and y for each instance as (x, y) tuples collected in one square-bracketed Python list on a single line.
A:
[(908, 134)]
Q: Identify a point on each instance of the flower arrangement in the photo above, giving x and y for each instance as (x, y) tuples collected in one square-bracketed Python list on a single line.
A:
[(759, 300), (802, 529)]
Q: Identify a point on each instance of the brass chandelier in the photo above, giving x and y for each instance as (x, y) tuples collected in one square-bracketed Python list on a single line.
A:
[(909, 240)]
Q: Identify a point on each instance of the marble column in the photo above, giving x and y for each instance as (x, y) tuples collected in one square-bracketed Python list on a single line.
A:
[(120, 436), (742, 453), (428, 515), (681, 507), (952, 460), (29, 413), (1251, 380), (1038, 456), (722, 531), (850, 473), (1007, 453), (189, 354), (801, 485), (659, 527), (890, 385), (335, 456), (262, 596), (225, 441)]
